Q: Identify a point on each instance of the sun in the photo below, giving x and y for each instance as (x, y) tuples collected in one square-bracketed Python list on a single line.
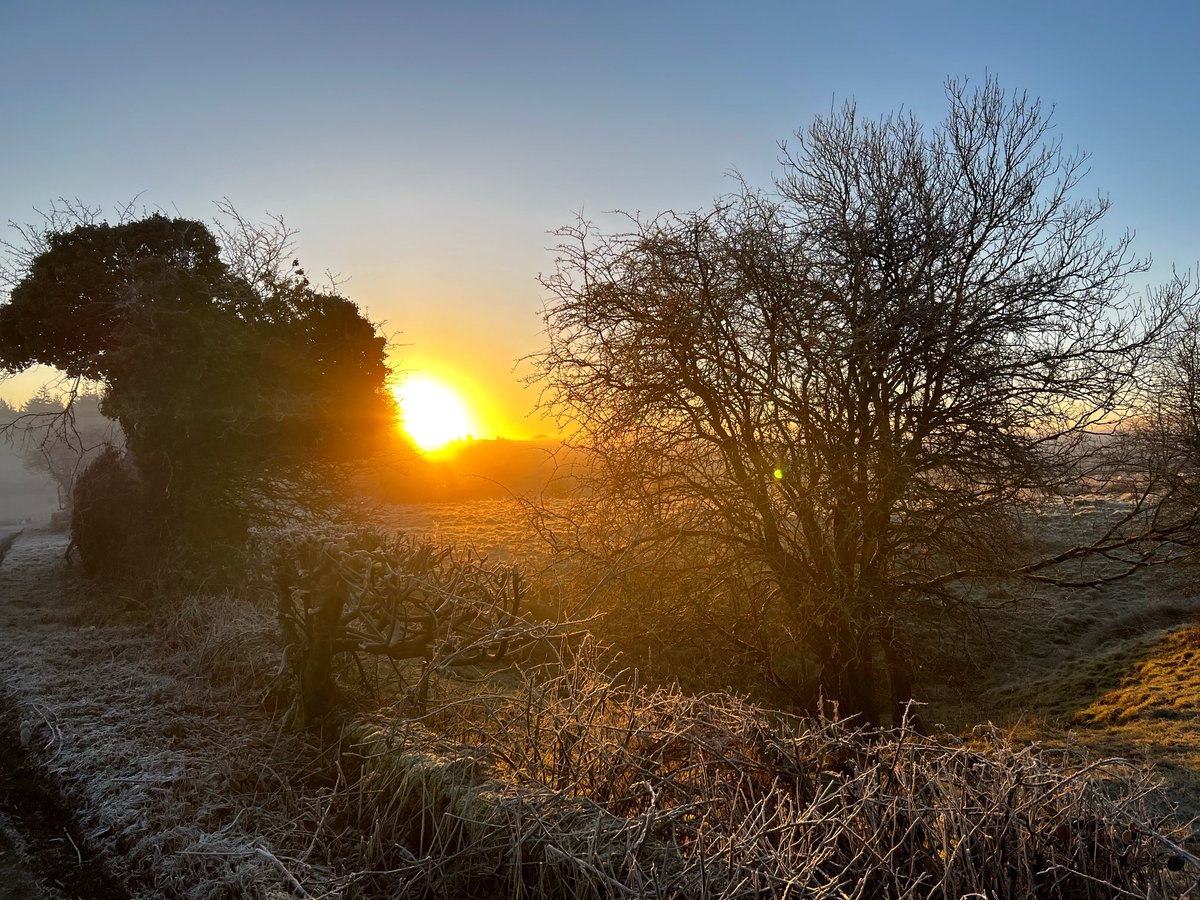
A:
[(432, 412)]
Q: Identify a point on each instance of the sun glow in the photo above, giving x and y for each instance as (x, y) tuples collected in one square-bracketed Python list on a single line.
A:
[(433, 413)]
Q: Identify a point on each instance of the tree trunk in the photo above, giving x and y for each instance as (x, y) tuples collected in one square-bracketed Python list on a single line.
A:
[(847, 678), (316, 669)]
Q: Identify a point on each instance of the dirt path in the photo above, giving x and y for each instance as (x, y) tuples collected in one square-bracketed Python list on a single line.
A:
[(40, 857), (18, 855), (165, 776)]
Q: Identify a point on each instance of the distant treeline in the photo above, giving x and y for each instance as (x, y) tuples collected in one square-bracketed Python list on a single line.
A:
[(43, 451), (39, 440)]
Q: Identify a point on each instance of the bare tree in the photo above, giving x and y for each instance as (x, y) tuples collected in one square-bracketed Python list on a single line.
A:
[(61, 433), (1165, 436), (841, 392)]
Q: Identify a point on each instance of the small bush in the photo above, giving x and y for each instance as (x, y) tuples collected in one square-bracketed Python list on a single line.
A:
[(365, 593), (107, 501)]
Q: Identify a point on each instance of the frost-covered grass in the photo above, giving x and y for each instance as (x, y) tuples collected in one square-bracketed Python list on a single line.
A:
[(1104, 669), (180, 782), (1137, 697), (1041, 658), (570, 777), (582, 783), (499, 528)]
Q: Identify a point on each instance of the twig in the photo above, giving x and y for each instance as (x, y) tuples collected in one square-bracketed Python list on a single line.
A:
[(296, 886), (74, 846)]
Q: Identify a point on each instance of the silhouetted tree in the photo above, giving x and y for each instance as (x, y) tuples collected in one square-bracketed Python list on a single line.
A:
[(239, 388), (1166, 433), (60, 435), (837, 394)]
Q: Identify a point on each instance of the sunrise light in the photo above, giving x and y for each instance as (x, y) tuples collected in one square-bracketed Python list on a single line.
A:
[(432, 412)]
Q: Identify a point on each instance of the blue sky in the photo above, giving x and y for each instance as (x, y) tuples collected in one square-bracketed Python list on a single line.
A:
[(426, 149)]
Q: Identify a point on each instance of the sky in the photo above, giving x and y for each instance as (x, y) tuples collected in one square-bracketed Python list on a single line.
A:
[(426, 150)]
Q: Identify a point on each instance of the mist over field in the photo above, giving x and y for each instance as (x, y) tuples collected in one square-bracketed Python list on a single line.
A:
[(25, 495)]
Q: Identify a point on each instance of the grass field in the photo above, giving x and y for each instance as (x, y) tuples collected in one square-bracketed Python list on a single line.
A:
[(163, 736), (1114, 670), (498, 528)]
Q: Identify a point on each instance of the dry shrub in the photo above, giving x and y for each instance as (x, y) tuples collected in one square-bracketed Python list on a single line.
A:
[(362, 593), (586, 784), (573, 781)]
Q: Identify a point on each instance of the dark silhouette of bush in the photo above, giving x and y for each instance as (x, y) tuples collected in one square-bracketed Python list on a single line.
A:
[(106, 514), (242, 391)]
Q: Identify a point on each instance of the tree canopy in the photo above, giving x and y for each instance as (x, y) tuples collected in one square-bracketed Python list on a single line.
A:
[(235, 394), (838, 392)]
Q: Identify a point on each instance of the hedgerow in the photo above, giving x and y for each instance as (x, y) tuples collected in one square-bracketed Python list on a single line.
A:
[(565, 776)]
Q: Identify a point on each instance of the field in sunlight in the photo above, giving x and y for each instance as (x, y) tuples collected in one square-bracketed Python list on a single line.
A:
[(498, 528), (1112, 668)]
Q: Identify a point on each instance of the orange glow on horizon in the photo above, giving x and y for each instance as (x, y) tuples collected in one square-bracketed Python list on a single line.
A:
[(433, 413)]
